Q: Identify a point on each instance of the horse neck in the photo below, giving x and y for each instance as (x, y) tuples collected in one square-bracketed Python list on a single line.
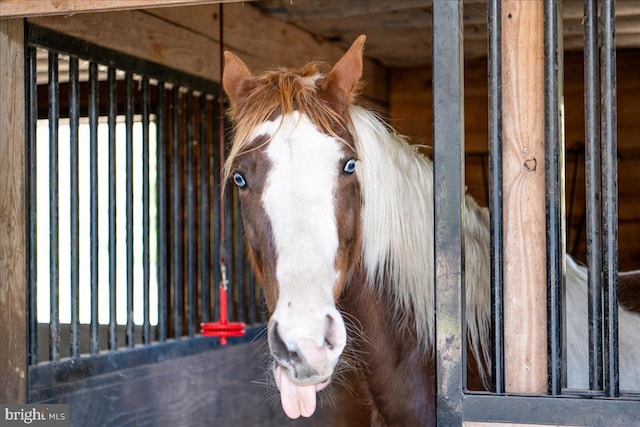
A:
[(397, 375), (398, 219)]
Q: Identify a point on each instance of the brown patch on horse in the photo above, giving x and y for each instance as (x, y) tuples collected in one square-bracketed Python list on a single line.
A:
[(629, 290), (398, 376), (474, 375), (348, 207), (254, 165)]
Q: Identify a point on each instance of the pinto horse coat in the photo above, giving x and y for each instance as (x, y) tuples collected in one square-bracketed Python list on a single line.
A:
[(338, 216)]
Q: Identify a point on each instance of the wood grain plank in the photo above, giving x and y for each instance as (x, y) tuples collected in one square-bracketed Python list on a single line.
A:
[(274, 42), (13, 274), (26, 8), (143, 35), (186, 38), (482, 424), (524, 197)]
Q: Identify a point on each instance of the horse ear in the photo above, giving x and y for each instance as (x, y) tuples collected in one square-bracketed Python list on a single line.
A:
[(343, 79), (236, 79)]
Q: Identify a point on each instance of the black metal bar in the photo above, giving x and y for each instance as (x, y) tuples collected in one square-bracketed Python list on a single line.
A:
[(253, 298), (74, 124), (554, 195), (111, 124), (93, 203), (593, 190), (146, 249), (608, 140), (448, 137), (162, 212), (237, 300), (485, 174), (32, 187), (495, 191), (572, 193), (205, 218), (557, 410), (59, 42), (176, 215), (129, 335), (54, 279), (191, 240)]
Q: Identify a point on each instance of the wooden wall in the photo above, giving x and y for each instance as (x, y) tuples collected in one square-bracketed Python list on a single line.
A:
[(13, 236), (187, 38), (220, 387), (411, 93)]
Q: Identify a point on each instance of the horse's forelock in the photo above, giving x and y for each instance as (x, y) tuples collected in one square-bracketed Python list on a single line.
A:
[(278, 93)]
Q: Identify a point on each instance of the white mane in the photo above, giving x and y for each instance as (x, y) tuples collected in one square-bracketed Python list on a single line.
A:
[(398, 224)]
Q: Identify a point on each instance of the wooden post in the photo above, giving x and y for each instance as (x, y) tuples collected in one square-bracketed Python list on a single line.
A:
[(525, 310), (13, 264)]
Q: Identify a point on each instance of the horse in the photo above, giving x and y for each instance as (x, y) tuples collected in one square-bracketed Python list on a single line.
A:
[(338, 218)]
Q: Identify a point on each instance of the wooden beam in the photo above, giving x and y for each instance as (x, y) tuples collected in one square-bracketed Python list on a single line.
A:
[(261, 44), (492, 424), (13, 263), (187, 39), (27, 8), (524, 197)]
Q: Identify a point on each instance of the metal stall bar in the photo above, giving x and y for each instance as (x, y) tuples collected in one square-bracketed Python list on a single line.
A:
[(205, 219), (74, 123), (609, 195), (176, 226), (54, 279), (129, 335), (495, 192), (146, 247), (32, 167), (593, 192), (448, 138), (93, 203), (191, 238), (161, 183), (111, 124), (554, 195)]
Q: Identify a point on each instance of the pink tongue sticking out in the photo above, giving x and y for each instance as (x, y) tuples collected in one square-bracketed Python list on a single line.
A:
[(296, 399)]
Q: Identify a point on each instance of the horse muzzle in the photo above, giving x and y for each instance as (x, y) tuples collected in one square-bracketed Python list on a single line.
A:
[(305, 354)]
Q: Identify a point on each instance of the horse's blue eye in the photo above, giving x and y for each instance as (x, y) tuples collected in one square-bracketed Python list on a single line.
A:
[(239, 180), (350, 166)]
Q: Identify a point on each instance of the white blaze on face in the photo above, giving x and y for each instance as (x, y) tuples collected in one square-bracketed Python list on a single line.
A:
[(299, 200)]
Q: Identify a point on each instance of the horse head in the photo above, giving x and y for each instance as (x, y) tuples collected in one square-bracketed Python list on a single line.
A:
[(295, 166)]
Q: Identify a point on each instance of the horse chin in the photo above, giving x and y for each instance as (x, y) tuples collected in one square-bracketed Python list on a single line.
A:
[(298, 398)]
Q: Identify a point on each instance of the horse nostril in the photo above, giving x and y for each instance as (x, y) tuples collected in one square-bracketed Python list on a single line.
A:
[(276, 344), (329, 334)]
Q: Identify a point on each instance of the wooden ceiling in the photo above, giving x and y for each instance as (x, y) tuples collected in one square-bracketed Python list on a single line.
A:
[(399, 32)]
